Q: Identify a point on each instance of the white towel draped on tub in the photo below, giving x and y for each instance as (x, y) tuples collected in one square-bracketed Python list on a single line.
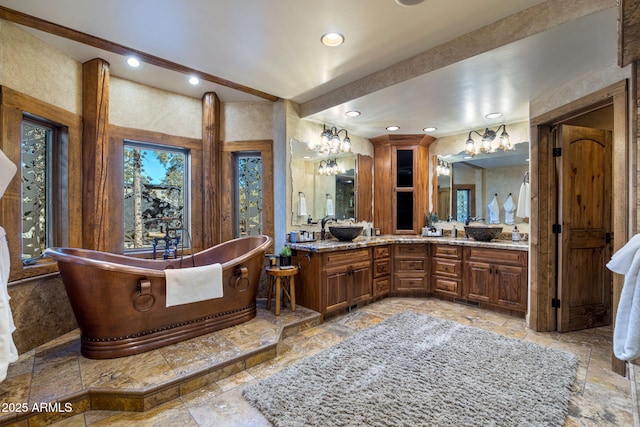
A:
[(494, 211), (193, 284), (626, 334)]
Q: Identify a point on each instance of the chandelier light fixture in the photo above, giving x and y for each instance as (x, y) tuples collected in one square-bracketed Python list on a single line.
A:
[(489, 143), (330, 142), (329, 167), (443, 168)]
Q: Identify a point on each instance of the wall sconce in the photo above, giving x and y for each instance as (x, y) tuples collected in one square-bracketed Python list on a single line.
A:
[(443, 168), (330, 141), (329, 167), (489, 144)]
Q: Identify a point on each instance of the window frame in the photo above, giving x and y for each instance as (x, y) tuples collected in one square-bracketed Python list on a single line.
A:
[(118, 136), (66, 182)]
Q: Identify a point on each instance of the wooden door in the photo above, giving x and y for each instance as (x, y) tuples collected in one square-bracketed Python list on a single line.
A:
[(584, 173)]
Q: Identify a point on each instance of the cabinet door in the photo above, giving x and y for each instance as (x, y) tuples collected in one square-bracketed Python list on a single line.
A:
[(336, 283), (478, 281), (511, 288), (360, 283), (404, 203)]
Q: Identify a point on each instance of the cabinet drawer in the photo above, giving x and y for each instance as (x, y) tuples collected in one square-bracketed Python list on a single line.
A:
[(408, 283), (345, 257), (381, 286), (411, 265), (447, 286), (496, 256), (381, 252), (447, 267), (411, 250), (447, 251), (381, 267)]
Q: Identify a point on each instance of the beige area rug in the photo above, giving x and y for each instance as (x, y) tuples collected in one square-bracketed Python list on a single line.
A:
[(416, 370)]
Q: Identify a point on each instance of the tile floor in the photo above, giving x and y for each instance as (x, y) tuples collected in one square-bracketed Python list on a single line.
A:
[(602, 398)]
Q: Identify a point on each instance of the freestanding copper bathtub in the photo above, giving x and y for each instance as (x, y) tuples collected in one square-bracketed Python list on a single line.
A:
[(120, 302)]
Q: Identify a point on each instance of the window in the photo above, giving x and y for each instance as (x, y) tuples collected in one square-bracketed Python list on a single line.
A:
[(40, 141), (249, 195), (156, 195), (464, 202)]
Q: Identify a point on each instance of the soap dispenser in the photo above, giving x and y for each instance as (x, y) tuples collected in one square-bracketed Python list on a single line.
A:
[(515, 234)]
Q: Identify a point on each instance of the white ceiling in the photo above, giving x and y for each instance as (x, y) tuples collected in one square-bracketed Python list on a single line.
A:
[(274, 46)]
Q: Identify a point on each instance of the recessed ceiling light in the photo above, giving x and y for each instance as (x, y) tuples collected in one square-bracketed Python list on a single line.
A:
[(493, 115), (430, 129), (306, 157), (352, 113), (133, 62), (332, 39), (194, 80), (409, 2), (392, 128)]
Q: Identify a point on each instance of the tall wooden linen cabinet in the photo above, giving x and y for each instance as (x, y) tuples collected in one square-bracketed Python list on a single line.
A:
[(401, 182)]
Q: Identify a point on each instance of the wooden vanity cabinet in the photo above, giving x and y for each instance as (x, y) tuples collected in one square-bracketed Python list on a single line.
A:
[(411, 267), (401, 178), (446, 270), (334, 281), (381, 270), (496, 277)]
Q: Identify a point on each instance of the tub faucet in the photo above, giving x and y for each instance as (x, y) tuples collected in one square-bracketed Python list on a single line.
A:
[(323, 222)]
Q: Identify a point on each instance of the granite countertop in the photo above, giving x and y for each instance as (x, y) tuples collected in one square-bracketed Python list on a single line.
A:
[(331, 245)]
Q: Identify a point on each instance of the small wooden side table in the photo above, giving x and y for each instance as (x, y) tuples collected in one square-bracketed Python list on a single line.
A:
[(278, 274)]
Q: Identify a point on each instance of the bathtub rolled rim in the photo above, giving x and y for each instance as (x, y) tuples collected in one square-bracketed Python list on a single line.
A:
[(60, 256)]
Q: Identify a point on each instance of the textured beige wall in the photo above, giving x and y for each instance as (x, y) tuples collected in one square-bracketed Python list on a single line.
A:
[(247, 121), (137, 106), (34, 68)]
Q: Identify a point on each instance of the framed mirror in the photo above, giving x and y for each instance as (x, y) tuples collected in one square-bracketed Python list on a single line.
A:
[(472, 182), (322, 185)]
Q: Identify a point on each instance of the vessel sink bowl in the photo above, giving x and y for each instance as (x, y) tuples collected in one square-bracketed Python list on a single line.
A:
[(345, 233), (483, 233)]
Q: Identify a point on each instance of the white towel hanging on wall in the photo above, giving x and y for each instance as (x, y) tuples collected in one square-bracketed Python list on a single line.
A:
[(494, 210), (524, 199), (8, 351), (626, 334), (302, 204), (329, 210), (509, 210)]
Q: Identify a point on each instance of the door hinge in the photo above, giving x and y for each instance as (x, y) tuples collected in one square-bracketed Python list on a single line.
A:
[(556, 228), (608, 237), (557, 152), (555, 303)]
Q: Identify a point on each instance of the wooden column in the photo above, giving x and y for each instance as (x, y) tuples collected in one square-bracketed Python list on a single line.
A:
[(212, 165), (629, 32), (99, 226)]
